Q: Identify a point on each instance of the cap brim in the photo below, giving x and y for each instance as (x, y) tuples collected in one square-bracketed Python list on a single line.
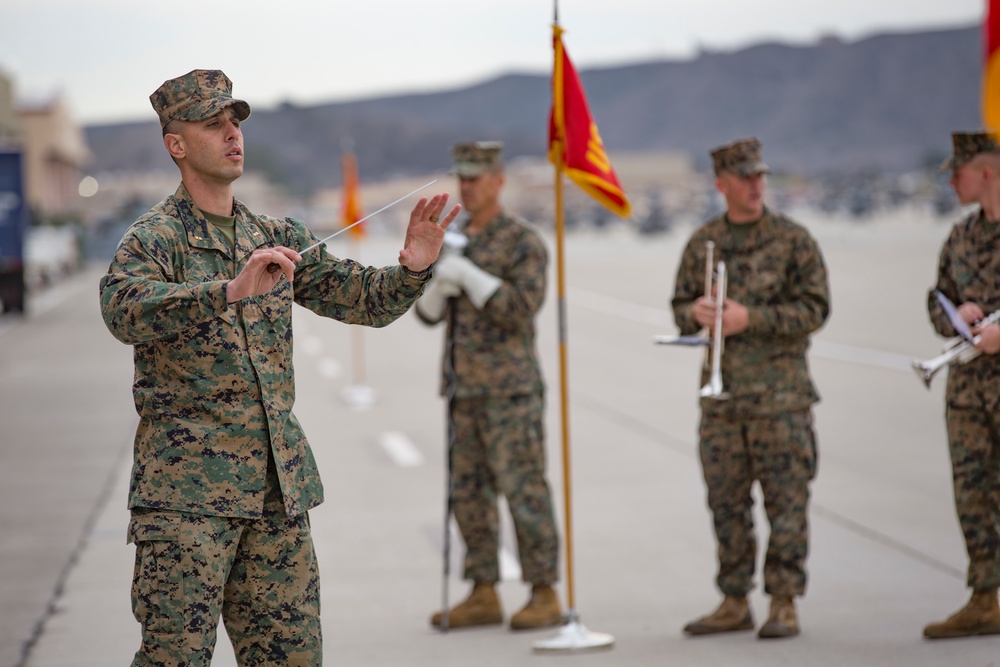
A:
[(468, 170), (753, 169), (209, 108)]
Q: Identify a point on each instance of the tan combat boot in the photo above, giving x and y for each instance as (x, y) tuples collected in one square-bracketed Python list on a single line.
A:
[(981, 616), (732, 615), (541, 611), (482, 607), (782, 621)]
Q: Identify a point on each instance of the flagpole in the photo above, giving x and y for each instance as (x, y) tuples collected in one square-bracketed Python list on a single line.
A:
[(573, 635), (560, 221), (358, 394), (564, 381)]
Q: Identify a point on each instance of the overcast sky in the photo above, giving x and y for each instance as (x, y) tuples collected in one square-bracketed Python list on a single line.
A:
[(106, 56)]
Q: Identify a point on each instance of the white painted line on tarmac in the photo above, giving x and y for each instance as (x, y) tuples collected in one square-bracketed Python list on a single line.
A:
[(510, 567), (311, 344), (656, 317), (329, 368), (861, 355), (626, 310), (510, 563), (401, 449)]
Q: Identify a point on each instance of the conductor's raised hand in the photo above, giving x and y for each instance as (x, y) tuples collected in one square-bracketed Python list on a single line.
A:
[(425, 233), (258, 278)]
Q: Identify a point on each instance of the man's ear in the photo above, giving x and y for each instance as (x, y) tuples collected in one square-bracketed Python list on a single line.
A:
[(174, 144), (721, 185)]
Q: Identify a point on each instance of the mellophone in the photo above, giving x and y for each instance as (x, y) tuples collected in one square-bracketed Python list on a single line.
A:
[(713, 388), (957, 350)]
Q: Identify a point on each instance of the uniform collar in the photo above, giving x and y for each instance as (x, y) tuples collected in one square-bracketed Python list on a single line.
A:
[(758, 233), (203, 234)]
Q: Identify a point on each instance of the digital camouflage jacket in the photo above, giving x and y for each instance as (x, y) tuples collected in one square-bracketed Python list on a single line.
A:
[(779, 274), (214, 384), (493, 349), (969, 271)]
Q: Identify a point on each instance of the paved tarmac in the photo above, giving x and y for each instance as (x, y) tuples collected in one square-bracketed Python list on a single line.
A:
[(886, 553)]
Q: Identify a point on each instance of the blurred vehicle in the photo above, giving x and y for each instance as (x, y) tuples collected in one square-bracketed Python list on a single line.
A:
[(13, 219), (50, 253)]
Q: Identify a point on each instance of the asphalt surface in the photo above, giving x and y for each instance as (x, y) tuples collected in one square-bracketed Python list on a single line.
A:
[(886, 552)]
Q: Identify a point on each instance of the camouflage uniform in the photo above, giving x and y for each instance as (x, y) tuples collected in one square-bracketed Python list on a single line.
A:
[(764, 430), (222, 473), (498, 406), (969, 271)]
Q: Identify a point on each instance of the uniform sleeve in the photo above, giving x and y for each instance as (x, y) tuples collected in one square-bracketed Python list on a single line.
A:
[(522, 292), (346, 290), (689, 287), (139, 300), (807, 302)]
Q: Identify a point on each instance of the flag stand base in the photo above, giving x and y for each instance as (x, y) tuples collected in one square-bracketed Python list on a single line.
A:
[(358, 396), (574, 637)]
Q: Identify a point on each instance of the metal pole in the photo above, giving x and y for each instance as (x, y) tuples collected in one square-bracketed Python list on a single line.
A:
[(574, 635), (452, 383), (564, 381)]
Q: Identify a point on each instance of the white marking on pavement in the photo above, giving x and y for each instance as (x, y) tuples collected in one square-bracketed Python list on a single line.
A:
[(510, 568), (400, 449), (635, 312), (510, 564), (861, 355), (329, 368), (311, 345), (626, 310)]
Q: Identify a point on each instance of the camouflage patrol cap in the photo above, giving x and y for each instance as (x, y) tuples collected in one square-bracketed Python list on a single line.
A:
[(475, 158), (740, 157), (967, 145), (197, 95)]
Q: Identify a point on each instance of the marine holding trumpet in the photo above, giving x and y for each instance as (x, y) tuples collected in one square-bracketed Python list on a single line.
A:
[(969, 275), (760, 426)]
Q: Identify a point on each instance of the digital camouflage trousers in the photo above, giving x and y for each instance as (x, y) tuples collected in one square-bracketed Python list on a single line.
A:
[(499, 448), (779, 452), (974, 444), (259, 575)]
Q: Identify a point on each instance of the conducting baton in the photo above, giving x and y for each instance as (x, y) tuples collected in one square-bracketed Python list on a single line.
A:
[(274, 266)]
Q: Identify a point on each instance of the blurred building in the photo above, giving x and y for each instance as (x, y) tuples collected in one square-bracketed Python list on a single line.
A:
[(10, 124), (55, 153)]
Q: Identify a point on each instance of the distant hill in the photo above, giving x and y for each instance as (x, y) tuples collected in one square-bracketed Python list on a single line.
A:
[(887, 102)]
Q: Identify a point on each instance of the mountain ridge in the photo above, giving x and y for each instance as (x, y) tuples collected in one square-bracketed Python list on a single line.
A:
[(885, 102)]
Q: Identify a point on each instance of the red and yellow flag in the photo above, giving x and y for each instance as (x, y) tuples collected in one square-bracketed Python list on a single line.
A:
[(991, 66), (574, 142), (352, 195)]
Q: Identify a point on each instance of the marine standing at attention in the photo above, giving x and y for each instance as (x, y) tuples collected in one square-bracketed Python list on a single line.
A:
[(489, 296), (222, 475), (969, 275), (777, 295)]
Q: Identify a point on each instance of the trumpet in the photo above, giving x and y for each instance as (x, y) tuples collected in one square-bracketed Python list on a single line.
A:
[(957, 350), (713, 388), (709, 266), (702, 337)]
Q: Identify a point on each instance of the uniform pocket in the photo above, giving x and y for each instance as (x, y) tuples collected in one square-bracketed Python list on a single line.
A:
[(157, 581)]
